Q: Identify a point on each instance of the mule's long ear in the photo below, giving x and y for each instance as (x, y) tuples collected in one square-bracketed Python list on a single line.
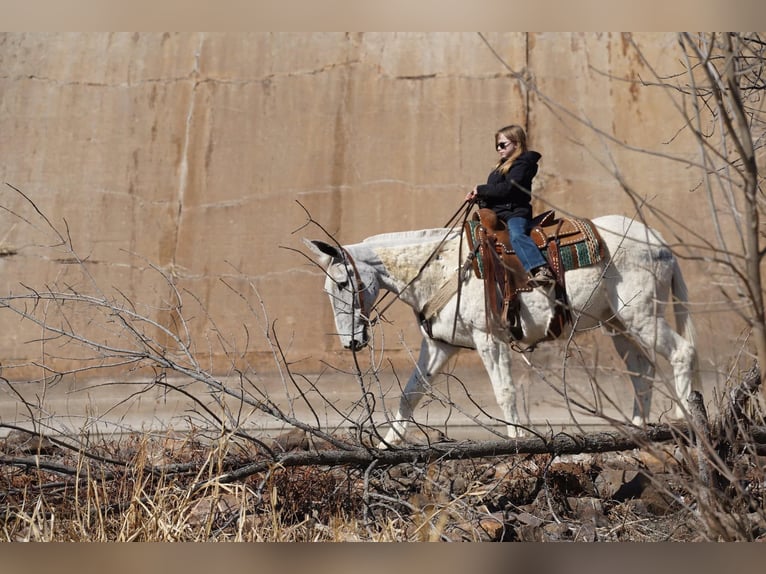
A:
[(325, 252)]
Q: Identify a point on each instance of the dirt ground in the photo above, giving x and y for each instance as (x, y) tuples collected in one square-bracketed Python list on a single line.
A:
[(651, 494)]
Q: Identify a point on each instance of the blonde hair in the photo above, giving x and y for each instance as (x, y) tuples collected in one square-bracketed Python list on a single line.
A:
[(516, 134)]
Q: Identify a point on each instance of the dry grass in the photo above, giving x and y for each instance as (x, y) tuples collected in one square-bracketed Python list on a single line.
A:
[(136, 502)]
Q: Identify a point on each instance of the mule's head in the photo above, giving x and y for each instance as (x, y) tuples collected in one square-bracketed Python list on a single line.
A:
[(352, 287)]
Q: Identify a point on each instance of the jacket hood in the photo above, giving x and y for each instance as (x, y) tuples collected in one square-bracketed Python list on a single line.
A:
[(531, 156)]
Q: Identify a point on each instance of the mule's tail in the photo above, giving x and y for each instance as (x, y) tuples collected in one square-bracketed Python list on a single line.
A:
[(684, 324)]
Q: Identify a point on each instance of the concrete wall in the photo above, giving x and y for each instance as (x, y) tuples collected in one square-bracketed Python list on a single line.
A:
[(181, 158)]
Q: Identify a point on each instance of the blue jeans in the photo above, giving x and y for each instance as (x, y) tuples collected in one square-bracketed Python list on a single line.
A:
[(522, 244)]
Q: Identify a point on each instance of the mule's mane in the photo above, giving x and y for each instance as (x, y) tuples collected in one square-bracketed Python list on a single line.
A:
[(419, 236)]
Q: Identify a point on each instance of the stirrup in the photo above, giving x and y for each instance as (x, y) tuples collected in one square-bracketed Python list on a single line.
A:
[(542, 278)]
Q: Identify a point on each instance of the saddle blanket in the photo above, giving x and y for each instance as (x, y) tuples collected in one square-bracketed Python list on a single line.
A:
[(581, 247), (579, 243)]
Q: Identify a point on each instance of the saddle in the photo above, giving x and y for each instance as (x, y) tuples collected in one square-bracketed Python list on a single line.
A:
[(565, 243)]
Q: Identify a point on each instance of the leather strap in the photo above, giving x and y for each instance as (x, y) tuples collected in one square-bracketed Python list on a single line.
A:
[(358, 280)]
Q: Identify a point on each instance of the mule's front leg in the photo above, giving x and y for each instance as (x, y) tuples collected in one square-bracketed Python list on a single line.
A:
[(496, 357), (433, 355)]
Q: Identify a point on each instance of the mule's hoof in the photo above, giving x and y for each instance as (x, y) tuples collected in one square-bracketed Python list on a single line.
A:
[(387, 443), (391, 440)]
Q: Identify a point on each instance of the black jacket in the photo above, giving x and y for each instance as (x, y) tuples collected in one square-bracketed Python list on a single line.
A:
[(510, 195)]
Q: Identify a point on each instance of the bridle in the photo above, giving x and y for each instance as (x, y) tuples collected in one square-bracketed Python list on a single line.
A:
[(453, 222), (358, 280)]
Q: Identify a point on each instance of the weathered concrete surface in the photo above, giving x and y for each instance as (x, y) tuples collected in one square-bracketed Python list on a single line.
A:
[(174, 163)]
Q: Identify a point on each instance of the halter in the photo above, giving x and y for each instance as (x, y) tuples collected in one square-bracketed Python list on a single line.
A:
[(358, 279)]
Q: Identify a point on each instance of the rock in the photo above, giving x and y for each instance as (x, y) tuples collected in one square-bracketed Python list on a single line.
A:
[(488, 475), (494, 527), (556, 531), (585, 532), (659, 460), (529, 519), (588, 509), (658, 500), (549, 501), (634, 506), (515, 469), (528, 533), (614, 484), (572, 478), (521, 491), (459, 486)]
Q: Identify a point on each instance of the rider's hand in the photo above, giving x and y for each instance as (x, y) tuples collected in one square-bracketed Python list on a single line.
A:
[(471, 195)]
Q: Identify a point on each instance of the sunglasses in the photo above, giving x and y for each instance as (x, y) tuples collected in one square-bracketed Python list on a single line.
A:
[(502, 145)]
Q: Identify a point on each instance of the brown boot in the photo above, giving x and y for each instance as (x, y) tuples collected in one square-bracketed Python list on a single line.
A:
[(542, 277)]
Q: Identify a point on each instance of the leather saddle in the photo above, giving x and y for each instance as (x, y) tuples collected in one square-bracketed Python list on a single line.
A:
[(565, 244)]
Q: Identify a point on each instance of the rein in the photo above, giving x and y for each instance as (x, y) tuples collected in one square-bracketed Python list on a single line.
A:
[(451, 224)]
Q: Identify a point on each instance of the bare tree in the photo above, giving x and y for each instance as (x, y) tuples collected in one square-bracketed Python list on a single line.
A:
[(725, 87)]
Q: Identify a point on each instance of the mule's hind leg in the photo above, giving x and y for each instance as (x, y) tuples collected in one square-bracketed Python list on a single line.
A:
[(433, 355), (658, 336), (640, 371)]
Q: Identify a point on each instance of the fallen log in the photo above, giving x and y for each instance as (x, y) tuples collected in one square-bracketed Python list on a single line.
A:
[(594, 442), (559, 444)]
